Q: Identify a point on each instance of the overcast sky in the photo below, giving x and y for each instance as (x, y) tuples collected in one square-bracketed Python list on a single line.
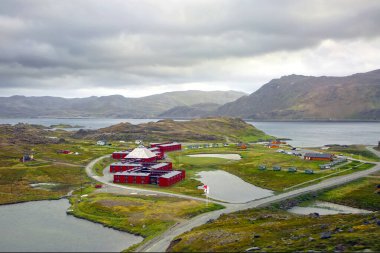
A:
[(76, 48)]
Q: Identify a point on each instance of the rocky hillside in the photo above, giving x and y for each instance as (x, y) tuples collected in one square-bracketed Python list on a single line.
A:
[(115, 106), (193, 111), (26, 134), (204, 129), (298, 97)]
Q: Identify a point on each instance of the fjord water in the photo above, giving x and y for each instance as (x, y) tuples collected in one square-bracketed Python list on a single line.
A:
[(44, 226), (316, 134), (303, 134)]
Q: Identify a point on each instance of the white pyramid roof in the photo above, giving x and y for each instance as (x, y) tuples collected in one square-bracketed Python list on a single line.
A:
[(141, 152)]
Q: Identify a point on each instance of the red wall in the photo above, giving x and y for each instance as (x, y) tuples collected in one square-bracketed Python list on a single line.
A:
[(317, 158), (119, 155), (164, 182), (119, 168), (173, 147)]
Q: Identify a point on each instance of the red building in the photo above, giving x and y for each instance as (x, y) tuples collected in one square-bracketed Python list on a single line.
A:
[(159, 154), (118, 167), (141, 166), (120, 154), (161, 166), (131, 177), (161, 178), (167, 146), (143, 154), (174, 146), (156, 144), (318, 157), (171, 178)]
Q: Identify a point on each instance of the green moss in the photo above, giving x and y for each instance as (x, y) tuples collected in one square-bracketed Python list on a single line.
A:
[(143, 215), (361, 193), (279, 231)]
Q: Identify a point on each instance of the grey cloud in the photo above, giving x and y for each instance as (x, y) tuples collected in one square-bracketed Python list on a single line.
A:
[(120, 43)]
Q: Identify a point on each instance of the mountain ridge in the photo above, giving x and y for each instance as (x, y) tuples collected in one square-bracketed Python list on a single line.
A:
[(296, 97), (113, 106)]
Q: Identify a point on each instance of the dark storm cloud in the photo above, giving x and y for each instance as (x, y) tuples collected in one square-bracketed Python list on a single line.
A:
[(120, 43)]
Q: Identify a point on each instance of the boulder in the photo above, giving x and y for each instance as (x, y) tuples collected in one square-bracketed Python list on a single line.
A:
[(326, 235)]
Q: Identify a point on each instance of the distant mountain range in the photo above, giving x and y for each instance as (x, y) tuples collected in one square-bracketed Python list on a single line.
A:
[(293, 97), (296, 97), (115, 106)]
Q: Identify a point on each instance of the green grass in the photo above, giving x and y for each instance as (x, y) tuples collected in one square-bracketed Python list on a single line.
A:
[(99, 166), (247, 167), (279, 231), (142, 215), (360, 193), (67, 171), (355, 151)]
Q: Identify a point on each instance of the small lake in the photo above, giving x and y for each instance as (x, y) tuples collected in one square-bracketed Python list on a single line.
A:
[(45, 226), (325, 208), (223, 156), (229, 188)]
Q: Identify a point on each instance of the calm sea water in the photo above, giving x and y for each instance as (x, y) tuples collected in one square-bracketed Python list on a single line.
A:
[(303, 134), (315, 134), (85, 123), (44, 226)]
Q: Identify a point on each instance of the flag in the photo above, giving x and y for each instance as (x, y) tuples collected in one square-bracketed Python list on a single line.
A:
[(206, 189)]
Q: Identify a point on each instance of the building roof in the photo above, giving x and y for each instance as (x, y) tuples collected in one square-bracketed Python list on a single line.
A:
[(318, 155), (158, 165), (122, 152), (127, 164), (132, 173), (141, 152), (169, 144), (171, 174)]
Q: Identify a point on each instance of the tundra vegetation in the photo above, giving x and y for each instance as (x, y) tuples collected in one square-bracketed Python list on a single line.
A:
[(52, 175), (143, 215), (273, 229)]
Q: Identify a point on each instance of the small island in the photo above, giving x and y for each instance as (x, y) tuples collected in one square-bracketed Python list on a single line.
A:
[(63, 126)]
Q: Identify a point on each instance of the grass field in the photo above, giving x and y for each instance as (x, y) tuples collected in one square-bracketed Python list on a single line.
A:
[(247, 167), (66, 171), (99, 166), (142, 215), (361, 194), (272, 230), (355, 151)]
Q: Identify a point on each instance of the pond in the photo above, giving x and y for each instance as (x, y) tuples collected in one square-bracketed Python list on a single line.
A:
[(223, 156), (325, 208), (229, 188), (45, 226)]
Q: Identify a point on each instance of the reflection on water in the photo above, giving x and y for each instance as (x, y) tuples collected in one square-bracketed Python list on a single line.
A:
[(325, 208), (45, 226), (230, 188), (316, 134), (303, 134)]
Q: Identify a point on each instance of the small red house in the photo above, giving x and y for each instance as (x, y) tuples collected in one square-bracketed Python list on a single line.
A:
[(318, 157)]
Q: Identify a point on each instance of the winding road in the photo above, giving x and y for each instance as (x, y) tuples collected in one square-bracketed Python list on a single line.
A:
[(162, 242)]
